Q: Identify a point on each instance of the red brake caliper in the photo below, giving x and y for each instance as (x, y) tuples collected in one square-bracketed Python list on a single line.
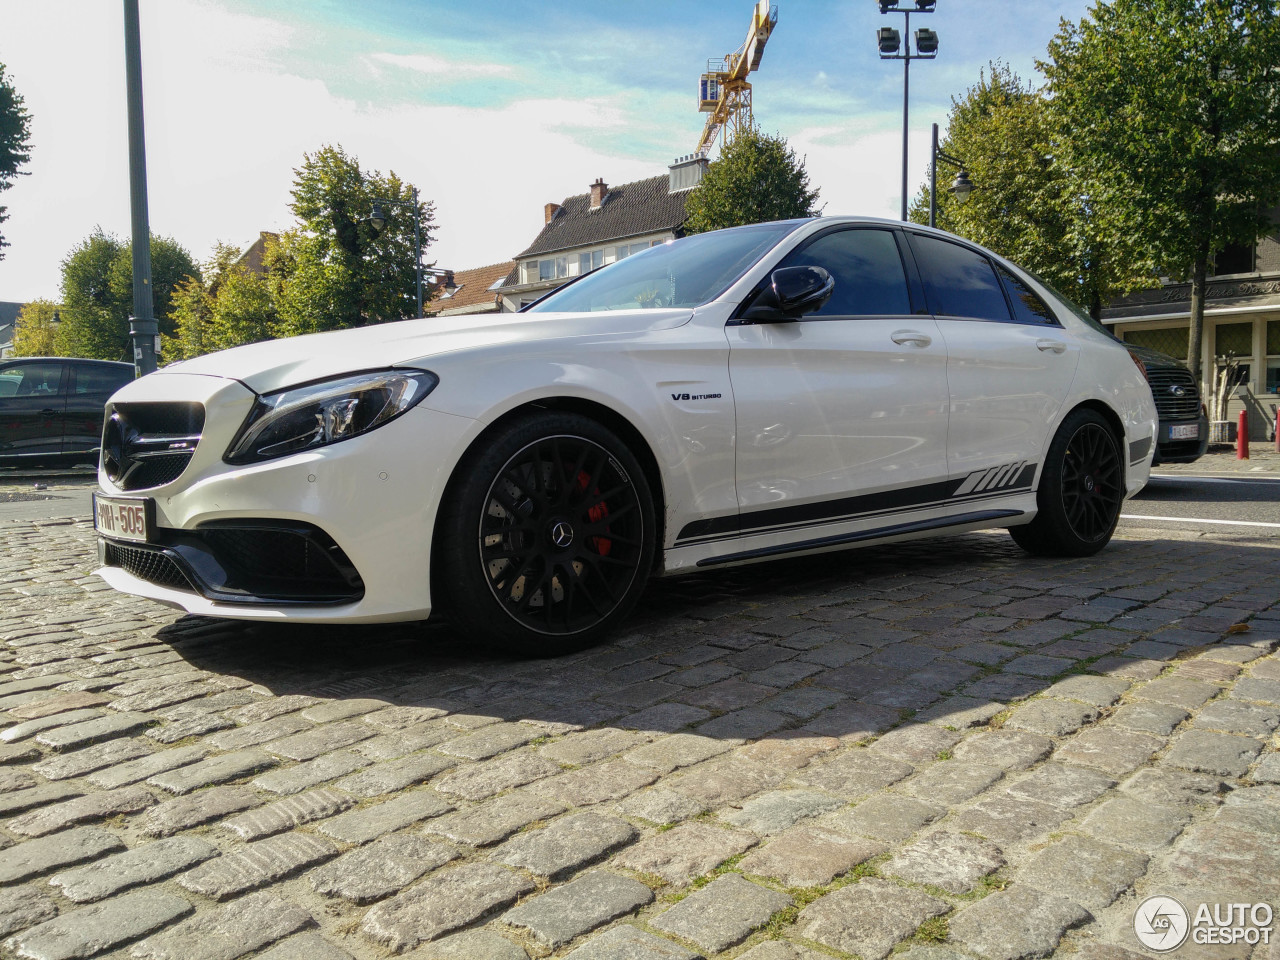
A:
[(595, 513)]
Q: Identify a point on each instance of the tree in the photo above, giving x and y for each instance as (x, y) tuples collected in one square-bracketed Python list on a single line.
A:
[(34, 331), (757, 178), (1173, 111), (225, 306), (15, 141), (1027, 206), (336, 269), (97, 294)]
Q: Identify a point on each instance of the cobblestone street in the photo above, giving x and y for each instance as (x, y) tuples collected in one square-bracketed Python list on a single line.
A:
[(944, 750)]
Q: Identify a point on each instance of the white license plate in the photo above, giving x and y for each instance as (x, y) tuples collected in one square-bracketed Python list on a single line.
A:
[(1186, 431), (120, 518)]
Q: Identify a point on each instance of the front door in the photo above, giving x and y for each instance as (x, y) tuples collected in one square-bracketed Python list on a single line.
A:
[(841, 415), (32, 409)]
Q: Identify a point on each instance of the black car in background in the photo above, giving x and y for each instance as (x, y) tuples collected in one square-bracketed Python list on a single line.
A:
[(51, 409), (1183, 435)]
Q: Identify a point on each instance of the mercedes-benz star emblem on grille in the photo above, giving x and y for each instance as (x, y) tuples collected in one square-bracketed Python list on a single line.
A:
[(113, 455), (1178, 390)]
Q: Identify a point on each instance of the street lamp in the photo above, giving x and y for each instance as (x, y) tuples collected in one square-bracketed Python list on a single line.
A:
[(378, 220), (962, 186), (889, 41)]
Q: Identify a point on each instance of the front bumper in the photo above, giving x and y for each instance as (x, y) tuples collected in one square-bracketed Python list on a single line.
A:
[(1181, 451), (337, 534)]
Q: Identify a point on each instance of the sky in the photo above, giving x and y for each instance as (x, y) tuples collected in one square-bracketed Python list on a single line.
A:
[(492, 109)]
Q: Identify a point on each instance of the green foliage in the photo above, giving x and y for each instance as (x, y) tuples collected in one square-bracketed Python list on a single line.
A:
[(1026, 205), (1174, 113), (97, 294), (15, 141), (335, 270), (757, 178), (331, 271), (230, 306), (33, 331)]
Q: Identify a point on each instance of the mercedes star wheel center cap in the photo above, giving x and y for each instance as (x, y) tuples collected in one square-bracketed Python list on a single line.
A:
[(561, 534)]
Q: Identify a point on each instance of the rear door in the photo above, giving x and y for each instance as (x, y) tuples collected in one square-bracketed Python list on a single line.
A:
[(1010, 365), (32, 409)]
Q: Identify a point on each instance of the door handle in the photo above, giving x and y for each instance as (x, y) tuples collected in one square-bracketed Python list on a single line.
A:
[(912, 337), (1057, 346), (48, 412)]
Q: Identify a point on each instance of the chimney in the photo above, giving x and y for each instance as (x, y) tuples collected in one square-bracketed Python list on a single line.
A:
[(598, 190), (549, 212), (686, 172)]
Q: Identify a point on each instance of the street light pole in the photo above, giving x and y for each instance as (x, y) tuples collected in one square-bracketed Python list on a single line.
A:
[(378, 221), (906, 88), (926, 49), (962, 186), (143, 329)]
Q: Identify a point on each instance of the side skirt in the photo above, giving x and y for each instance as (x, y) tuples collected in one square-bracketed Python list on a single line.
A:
[(893, 530)]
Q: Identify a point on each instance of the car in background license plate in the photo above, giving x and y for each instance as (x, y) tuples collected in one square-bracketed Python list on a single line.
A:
[(1184, 431), (121, 518)]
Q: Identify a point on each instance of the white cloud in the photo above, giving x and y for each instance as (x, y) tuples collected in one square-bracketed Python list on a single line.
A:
[(226, 126), (440, 67)]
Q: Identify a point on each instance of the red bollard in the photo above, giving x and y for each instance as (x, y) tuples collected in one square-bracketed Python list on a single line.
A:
[(1242, 436)]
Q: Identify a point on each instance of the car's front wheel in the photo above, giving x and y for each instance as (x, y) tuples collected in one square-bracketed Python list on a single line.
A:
[(1081, 490), (547, 535)]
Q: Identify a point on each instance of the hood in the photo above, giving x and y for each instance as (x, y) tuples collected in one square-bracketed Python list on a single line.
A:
[(1154, 358), (275, 364)]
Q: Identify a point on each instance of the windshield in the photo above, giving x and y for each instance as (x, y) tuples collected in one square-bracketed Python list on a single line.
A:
[(682, 273)]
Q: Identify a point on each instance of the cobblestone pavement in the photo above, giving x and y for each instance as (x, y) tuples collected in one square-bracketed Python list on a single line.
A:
[(946, 750)]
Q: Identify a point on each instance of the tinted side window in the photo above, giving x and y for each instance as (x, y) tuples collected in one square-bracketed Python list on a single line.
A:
[(1027, 307), (867, 268), (105, 380), (39, 379), (958, 281)]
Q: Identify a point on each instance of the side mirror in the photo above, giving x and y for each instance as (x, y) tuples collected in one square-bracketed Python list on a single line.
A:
[(790, 294)]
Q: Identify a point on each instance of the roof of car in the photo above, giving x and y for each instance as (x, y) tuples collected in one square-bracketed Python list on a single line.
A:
[(9, 361)]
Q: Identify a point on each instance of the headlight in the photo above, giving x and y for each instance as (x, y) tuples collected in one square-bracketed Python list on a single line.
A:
[(317, 414)]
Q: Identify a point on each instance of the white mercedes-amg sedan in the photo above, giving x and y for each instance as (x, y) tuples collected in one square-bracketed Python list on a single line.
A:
[(765, 391)]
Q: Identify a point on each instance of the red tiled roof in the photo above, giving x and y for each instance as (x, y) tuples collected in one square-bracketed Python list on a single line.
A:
[(470, 289)]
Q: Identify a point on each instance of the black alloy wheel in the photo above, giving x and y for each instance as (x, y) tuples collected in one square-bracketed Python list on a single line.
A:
[(560, 538), (1092, 482), (1081, 490)]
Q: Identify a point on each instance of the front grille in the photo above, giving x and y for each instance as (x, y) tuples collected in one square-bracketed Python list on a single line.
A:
[(147, 445), (152, 566), (1168, 406), (244, 561)]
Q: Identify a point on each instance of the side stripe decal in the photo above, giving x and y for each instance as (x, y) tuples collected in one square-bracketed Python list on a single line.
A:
[(999, 481)]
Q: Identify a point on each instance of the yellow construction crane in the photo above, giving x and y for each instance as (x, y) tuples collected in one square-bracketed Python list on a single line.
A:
[(723, 91)]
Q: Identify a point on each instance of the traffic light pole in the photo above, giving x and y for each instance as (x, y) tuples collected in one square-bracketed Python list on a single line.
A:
[(143, 329)]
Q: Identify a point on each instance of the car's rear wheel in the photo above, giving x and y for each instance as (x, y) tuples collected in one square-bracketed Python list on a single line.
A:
[(547, 535), (1081, 490)]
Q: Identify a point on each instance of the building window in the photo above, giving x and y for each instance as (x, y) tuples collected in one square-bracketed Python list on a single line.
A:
[(1273, 356), (1170, 340), (1236, 258), (1234, 342), (555, 268), (590, 261)]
